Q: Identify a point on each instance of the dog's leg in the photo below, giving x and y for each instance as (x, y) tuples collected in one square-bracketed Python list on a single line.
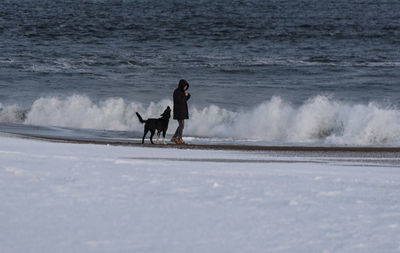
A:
[(158, 136), (151, 136), (163, 137), (144, 135)]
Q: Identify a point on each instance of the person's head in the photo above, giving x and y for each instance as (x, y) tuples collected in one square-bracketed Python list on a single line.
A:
[(183, 85)]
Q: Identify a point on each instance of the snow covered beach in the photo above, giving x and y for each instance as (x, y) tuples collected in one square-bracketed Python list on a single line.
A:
[(62, 197)]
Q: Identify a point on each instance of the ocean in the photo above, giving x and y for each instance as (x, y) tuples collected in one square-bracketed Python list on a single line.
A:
[(269, 72)]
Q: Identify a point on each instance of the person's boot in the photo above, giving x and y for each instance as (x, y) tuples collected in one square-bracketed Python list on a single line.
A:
[(175, 140), (181, 142)]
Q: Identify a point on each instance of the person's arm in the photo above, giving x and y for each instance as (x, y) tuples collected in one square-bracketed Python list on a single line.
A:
[(187, 95), (179, 97)]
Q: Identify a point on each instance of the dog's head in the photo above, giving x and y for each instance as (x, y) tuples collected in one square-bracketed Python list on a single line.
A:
[(166, 113)]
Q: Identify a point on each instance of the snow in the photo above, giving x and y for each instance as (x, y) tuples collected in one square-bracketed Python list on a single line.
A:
[(60, 197)]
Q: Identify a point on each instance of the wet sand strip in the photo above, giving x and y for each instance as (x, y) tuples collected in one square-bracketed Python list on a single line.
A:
[(223, 146), (221, 160)]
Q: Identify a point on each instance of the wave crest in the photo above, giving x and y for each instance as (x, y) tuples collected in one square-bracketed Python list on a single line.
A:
[(321, 119), (11, 114)]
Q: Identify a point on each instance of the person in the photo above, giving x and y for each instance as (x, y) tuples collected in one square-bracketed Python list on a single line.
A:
[(180, 109)]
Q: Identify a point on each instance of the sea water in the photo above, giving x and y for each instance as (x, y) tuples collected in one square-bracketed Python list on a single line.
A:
[(306, 71)]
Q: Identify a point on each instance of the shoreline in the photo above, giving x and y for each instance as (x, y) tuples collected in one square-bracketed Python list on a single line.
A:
[(228, 147)]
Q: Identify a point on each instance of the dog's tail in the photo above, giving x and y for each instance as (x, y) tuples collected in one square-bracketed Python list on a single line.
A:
[(140, 118)]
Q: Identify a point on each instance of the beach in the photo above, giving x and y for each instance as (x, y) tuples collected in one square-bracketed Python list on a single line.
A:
[(292, 126), (69, 197)]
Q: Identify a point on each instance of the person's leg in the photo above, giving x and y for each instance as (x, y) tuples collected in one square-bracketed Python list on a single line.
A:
[(181, 127), (177, 131), (177, 138)]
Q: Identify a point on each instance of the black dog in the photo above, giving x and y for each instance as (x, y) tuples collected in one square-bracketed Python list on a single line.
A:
[(160, 124)]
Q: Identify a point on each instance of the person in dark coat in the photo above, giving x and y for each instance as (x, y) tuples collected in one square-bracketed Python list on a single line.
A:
[(180, 109)]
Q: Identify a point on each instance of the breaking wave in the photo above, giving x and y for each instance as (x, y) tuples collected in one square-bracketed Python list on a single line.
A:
[(321, 119)]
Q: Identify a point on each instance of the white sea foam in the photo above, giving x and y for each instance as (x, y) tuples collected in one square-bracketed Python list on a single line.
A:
[(10, 114), (321, 119), (80, 112)]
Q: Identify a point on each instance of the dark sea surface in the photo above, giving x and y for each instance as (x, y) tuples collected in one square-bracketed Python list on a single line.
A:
[(274, 71)]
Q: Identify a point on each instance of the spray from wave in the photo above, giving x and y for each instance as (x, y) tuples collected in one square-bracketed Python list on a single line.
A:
[(319, 120), (11, 114)]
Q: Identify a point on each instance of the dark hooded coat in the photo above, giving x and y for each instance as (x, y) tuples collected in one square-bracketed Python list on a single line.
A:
[(180, 105)]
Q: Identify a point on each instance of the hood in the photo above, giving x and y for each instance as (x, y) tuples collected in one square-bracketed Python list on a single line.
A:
[(182, 84)]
